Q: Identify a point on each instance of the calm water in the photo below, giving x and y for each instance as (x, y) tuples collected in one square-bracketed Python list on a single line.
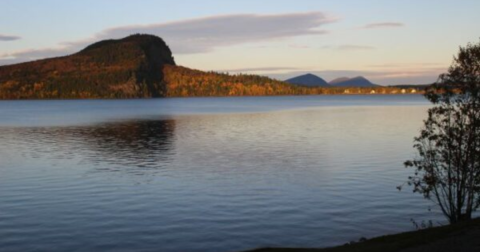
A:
[(206, 174)]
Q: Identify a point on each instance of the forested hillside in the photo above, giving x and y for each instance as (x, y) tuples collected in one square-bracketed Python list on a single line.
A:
[(126, 68), (141, 66)]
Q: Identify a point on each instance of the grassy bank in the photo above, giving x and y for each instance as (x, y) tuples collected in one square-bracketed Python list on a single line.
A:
[(460, 237)]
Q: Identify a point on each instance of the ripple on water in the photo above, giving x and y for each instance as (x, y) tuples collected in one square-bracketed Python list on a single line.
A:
[(316, 175)]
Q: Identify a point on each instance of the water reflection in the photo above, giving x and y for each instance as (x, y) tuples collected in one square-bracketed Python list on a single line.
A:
[(205, 182), (136, 147), (142, 144)]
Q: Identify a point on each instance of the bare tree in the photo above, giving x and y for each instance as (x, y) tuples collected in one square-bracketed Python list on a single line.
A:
[(447, 169)]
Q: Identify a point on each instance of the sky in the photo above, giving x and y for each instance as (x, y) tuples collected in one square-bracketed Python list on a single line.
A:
[(388, 42)]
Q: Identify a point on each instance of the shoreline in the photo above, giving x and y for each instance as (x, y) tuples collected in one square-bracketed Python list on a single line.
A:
[(225, 96), (458, 237)]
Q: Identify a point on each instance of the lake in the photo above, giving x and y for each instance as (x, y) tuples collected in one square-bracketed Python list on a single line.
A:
[(206, 174)]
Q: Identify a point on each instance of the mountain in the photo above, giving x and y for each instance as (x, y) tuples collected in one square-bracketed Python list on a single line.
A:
[(124, 68), (309, 80), (138, 66), (359, 81)]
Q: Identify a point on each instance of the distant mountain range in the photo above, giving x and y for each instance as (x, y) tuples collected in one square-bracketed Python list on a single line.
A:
[(358, 81), (309, 80), (312, 80)]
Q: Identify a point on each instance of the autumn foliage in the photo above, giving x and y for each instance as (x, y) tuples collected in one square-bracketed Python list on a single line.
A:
[(139, 66), (126, 68)]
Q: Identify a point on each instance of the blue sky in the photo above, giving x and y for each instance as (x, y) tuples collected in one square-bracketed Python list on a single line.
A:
[(389, 42)]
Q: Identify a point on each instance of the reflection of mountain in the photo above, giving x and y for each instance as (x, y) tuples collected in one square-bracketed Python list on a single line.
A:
[(134, 143), (126, 146)]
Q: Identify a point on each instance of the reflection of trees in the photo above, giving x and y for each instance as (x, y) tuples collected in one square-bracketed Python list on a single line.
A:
[(134, 143), (131, 146)]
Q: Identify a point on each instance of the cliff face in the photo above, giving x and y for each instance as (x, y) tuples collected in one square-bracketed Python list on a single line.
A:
[(124, 68)]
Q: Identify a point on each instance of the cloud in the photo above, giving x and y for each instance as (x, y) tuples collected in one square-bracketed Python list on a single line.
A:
[(202, 35), (33, 54), (299, 46), (4, 37), (350, 47), (406, 65), (36, 53), (354, 47), (383, 25), (205, 34), (8, 61)]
